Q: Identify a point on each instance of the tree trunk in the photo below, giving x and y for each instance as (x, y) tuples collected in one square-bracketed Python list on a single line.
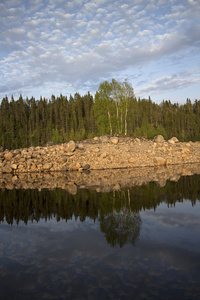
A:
[(110, 123)]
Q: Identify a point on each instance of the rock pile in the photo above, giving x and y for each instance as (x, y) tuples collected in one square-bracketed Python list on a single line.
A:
[(99, 154)]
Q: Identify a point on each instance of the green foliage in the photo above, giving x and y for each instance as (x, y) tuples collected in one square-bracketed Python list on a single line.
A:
[(114, 110), (111, 107), (56, 138)]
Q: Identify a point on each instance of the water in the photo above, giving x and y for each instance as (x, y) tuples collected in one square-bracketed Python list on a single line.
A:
[(143, 243)]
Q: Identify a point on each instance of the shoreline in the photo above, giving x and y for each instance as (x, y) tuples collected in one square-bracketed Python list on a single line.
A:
[(101, 153), (98, 180), (101, 164)]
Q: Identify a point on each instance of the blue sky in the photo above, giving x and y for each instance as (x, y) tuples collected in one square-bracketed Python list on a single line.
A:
[(58, 46)]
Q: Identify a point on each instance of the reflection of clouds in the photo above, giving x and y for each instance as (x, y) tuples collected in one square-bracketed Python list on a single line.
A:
[(174, 219), (79, 264)]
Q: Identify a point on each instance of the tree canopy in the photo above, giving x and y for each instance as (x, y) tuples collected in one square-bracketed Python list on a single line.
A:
[(113, 110)]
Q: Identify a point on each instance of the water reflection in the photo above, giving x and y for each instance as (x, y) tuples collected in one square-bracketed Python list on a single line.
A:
[(117, 211), (28, 205), (139, 243)]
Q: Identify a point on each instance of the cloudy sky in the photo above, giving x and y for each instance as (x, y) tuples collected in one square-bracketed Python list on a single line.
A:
[(67, 46)]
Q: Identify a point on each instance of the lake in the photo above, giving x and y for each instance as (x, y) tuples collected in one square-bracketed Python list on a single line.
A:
[(137, 243)]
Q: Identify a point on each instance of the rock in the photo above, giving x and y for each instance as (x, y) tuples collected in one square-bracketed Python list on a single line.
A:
[(78, 166), (117, 187), (103, 155), (114, 140), (96, 139), (7, 169), (173, 140), (72, 188), (86, 167), (104, 139), (33, 167), (131, 160), (47, 166), (48, 144), (70, 147), (8, 156), (14, 166), (159, 139), (62, 159), (80, 146), (185, 150), (95, 150), (160, 161)]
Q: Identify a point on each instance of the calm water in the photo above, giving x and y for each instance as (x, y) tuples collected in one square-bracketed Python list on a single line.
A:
[(143, 243)]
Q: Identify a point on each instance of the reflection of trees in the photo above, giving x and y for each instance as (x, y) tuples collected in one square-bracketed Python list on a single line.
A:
[(121, 227), (118, 221), (117, 212)]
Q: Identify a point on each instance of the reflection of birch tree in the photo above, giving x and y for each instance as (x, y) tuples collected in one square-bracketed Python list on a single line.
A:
[(121, 227)]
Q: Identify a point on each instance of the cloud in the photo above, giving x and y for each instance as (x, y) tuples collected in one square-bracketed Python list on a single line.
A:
[(170, 83), (81, 42)]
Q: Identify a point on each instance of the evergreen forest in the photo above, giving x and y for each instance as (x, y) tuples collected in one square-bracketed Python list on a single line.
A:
[(113, 110)]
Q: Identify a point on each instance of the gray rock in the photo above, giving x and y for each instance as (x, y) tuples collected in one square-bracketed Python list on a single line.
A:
[(86, 167)]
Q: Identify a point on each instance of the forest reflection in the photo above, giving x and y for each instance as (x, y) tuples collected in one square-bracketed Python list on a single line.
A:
[(118, 212)]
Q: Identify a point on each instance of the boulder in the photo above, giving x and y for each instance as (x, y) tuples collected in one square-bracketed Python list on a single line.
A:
[(47, 166), (173, 140), (14, 166), (159, 139), (7, 169), (160, 161), (80, 146), (70, 147), (8, 156), (104, 139), (86, 167), (72, 188), (114, 140)]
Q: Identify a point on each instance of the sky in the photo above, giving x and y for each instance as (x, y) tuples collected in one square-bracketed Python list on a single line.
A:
[(59, 46)]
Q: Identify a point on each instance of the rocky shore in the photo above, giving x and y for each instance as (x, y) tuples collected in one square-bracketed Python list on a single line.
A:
[(103, 164), (101, 153)]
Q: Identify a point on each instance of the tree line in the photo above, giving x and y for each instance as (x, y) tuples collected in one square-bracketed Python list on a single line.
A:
[(113, 110)]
